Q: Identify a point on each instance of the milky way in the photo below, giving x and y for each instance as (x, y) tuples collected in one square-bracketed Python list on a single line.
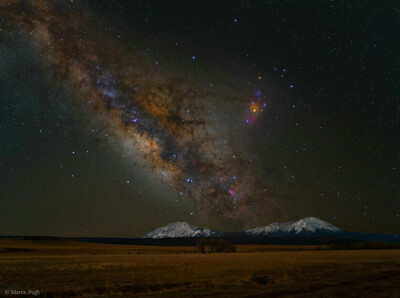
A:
[(165, 118)]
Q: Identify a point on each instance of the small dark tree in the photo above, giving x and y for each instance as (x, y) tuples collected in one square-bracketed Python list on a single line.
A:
[(214, 245), (201, 244)]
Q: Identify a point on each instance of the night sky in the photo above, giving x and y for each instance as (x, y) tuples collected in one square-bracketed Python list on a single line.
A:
[(118, 117)]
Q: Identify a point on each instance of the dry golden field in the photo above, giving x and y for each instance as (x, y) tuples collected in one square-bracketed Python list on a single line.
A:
[(72, 268)]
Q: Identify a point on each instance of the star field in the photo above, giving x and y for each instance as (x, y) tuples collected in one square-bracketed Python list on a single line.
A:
[(121, 116)]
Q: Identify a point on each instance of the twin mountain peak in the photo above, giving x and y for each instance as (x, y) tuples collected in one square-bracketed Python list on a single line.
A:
[(304, 226)]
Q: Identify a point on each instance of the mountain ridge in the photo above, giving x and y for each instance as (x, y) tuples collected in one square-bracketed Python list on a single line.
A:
[(304, 225), (180, 229), (307, 225)]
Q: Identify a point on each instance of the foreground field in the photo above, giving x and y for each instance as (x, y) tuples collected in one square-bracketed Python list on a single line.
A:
[(72, 268)]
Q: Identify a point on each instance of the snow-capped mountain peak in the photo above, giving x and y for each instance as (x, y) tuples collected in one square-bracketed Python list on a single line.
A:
[(312, 224), (180, 229), (304, 225)]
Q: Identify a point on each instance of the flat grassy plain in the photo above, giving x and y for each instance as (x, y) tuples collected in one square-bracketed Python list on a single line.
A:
[(72, 268)]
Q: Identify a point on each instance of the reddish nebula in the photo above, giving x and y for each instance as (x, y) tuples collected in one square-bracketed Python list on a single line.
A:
[(151, 111)]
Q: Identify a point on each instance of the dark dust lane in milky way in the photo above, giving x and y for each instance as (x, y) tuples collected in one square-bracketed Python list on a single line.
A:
[(120, 116), (165, 118)]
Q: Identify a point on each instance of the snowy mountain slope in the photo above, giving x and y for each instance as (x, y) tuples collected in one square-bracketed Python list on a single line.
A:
[(180, 229), (307, 225)]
